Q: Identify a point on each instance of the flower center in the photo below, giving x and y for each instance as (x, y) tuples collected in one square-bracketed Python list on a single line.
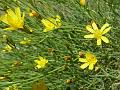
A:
[(98, 34), (91, 59)]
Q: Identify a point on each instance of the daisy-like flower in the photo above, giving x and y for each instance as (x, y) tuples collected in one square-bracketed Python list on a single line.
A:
[(33, 14), (51, 23), (98, 33), (82, 2), (41, 62), (13, 19), (90, 61)]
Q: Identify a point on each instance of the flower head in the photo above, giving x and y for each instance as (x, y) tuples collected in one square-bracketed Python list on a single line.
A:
[(90, 61), (98, 33), (33, 14), (41, 62), (13, 19), (51, 23), (82, 2)]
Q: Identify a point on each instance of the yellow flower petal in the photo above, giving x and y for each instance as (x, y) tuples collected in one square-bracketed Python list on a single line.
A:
[(105, 39), (36, 61), (4, 19), (46, 61), (89, 28), (84, 65), (58, 17), (13, 19), (33, 13), (104, 26), (90, 61), (98, 41), (94, 26), (106, 30), (39, 66), (11, 13), (89, 36), (41, 62), (82, 2), (17, 12), (91, 66), (47, 23), (51, 23), (82, 60)]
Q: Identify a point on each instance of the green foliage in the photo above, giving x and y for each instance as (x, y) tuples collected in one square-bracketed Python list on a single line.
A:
[(68, 40)]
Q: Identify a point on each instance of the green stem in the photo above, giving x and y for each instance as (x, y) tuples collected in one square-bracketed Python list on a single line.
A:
[(34, 78)]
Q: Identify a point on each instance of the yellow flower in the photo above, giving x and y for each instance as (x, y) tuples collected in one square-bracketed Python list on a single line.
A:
[(41, 62), (82, 2), (7, 48), (90, 61), (51, 23), (25, 41), (13, 19), (98, 33), (33, 14)]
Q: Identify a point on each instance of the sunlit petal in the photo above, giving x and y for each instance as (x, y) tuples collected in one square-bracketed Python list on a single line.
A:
[(39, 66), (91, 66), (58, 18), (105, 39), (84, 65), (36, 61), (82, 60), (11, 13), (17, 12), (98, 41), (104, 26), (82, 2), (106, 30), (41, 62), (51, 23), (89, 36), (4, 19), (89, 28), (94, 26), (13, 19)]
